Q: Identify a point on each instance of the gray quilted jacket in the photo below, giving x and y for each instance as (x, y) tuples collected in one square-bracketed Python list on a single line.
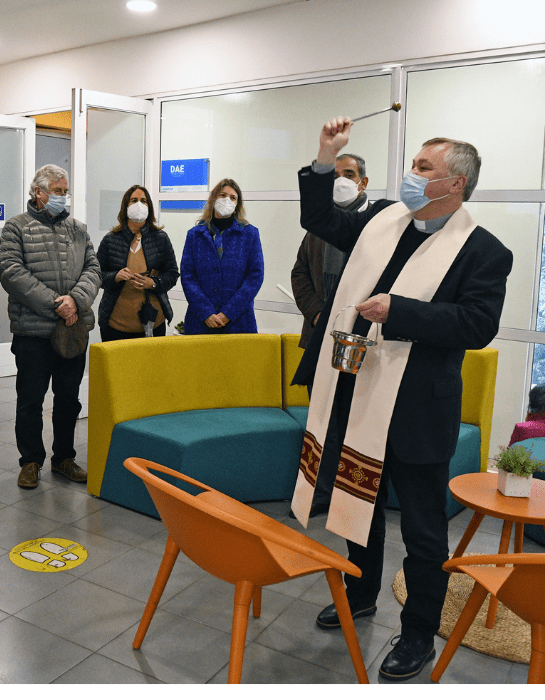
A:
[(42, 258)]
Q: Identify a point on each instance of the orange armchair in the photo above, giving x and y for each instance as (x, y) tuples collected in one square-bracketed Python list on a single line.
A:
[(240, 545), (519, 588)]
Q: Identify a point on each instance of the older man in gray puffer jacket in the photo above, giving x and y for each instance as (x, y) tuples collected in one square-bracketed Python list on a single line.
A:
[(50, 271)]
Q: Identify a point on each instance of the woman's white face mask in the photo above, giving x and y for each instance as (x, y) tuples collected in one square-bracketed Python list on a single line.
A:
[(345, 191), (224, 206), (137, 212)]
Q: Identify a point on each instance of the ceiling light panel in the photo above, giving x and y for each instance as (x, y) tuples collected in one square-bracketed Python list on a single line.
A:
[(141, 5)]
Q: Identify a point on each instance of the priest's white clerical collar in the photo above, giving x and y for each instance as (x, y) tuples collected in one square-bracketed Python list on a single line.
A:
[(432, 225)]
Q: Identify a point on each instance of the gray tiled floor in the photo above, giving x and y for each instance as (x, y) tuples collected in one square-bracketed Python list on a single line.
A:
[(77, 626)]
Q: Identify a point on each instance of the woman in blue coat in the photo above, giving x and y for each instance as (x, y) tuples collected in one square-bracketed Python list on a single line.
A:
[(222, 266)]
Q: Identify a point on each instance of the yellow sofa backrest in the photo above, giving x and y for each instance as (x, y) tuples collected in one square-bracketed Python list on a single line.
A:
[(131, 379), (291, 356), (479, 376), (478, 373)]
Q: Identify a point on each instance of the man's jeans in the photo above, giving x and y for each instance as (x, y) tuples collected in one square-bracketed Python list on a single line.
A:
[(37, 364)]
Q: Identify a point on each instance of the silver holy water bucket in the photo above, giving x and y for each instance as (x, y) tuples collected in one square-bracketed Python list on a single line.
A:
[(349, 348)]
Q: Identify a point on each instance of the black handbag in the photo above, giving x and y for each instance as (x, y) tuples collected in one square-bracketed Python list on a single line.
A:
[(148, 316)]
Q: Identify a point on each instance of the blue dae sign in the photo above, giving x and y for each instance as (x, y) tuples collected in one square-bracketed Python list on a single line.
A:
[(2, 212), (185, 175)]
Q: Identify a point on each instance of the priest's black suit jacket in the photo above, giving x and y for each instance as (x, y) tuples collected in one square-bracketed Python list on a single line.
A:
[(464, 313)]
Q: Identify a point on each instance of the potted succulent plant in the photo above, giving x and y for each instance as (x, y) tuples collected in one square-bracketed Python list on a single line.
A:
[(515, 469)]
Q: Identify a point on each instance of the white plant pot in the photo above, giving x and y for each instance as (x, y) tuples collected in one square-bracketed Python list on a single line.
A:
[(514, 485)]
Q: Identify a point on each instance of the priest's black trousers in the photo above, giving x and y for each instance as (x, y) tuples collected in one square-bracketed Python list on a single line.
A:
[(421, 490)]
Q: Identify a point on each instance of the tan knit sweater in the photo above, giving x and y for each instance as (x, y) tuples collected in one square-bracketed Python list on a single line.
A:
[(125, 314)]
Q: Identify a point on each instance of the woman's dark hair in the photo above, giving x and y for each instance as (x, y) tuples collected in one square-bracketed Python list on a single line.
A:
[(537, 399), (208, 212), (122, 216)]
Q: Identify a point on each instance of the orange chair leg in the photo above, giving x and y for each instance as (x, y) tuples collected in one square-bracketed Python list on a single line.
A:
[(256, 601), (467, 616), (536, 672), (161, 580), (503, 549), (471, 529), (243, 597), (336, 586)]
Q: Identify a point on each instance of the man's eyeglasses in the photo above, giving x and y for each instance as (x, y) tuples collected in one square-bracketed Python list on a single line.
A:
[(59, 192)]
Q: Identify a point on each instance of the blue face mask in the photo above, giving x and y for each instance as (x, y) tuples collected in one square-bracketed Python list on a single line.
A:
[(412, 191), (55, 204)]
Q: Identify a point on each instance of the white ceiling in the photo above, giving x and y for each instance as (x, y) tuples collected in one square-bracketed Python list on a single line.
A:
[(37, 27)]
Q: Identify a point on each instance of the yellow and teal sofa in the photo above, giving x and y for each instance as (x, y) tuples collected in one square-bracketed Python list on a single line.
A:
[(221, 410), (207, 406)]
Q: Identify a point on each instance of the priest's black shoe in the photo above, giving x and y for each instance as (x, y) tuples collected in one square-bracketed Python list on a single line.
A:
[(315, 509), (328, 619), (407, 658)]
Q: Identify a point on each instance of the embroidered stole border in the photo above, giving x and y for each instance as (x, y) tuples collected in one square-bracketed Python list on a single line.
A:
[(310, 458)]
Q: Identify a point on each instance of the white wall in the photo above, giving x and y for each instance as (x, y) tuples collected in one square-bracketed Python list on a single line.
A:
[(318, 35)]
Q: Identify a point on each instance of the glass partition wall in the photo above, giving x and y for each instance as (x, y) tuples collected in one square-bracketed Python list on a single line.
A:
[(122, 133), (262, 136), (500, 108), (260, 139)]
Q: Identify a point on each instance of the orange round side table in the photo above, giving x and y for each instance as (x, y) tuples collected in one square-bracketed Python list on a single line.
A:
[(479, 492)]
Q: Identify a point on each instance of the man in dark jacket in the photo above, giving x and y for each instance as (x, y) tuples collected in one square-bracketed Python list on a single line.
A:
[(434, 283), (317, 271), (50, 271), (319, 264)]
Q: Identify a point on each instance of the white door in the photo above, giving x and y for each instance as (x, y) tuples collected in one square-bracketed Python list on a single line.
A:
[(17, 149), (111, 150)]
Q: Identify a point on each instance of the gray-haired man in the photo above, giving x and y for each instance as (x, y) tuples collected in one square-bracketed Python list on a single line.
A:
[(50, 271)]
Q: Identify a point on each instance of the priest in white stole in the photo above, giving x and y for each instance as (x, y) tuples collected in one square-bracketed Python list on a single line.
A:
[(430, 283)]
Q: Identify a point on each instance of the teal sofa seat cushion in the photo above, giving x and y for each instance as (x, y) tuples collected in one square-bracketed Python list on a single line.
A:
[(251, 454), (298, 413), (537, 448), (466, 459)]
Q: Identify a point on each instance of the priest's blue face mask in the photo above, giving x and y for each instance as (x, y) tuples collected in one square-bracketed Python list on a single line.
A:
[(412, 191)]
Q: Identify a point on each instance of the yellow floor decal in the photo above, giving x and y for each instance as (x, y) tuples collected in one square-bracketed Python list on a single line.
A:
[(48, 554)]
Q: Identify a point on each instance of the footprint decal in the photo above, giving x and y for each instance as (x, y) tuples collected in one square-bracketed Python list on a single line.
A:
[(34, 556), (48, 555), (52, 548)]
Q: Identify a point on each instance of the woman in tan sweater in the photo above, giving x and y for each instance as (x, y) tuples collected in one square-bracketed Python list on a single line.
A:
[(138, 264)]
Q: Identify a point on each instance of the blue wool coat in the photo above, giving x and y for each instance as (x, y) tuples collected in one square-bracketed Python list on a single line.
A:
[(229, 285)]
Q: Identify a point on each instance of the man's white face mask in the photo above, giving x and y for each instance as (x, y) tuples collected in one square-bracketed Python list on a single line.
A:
[(345, 191)]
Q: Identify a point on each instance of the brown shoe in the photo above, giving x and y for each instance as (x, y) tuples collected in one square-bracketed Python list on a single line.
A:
[(29, 476), (70, 470)]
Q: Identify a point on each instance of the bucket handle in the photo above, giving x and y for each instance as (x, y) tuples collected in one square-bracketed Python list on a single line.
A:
[(353, 306)]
